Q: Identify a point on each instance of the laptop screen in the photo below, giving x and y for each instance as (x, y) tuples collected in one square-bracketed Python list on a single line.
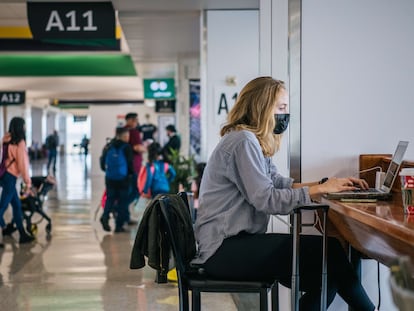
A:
[(395, 164)]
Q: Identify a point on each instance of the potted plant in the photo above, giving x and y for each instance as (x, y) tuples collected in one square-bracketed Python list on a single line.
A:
[(184, 167)]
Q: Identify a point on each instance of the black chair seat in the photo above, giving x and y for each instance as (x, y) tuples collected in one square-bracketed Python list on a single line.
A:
[(227, 286), (197, 277), (194, 279)]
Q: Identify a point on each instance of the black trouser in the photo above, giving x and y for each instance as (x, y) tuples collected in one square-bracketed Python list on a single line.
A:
[(269, 257)]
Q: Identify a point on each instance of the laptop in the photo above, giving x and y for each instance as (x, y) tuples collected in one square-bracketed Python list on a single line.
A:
[(384, 191)]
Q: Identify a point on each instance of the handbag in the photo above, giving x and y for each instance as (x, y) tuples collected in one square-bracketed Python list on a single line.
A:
[(4, 156)]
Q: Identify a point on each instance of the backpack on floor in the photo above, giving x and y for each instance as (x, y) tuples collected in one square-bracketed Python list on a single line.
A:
[(116, 165)]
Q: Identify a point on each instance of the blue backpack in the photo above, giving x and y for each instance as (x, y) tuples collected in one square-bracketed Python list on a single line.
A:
[(116, 165), (160, 182)]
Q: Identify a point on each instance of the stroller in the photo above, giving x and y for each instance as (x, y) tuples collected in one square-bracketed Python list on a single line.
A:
[(33, 204)]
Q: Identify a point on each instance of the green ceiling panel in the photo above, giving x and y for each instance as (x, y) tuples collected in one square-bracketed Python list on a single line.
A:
[(42, 65)]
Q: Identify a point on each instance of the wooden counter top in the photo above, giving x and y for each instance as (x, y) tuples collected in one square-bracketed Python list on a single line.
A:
[(379, 230)]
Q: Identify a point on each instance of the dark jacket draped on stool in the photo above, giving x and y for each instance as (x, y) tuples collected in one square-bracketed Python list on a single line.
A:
[(151, 240)]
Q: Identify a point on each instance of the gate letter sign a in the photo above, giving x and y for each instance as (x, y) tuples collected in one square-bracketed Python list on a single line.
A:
[(223, 105), (224, 98), (71, 20)]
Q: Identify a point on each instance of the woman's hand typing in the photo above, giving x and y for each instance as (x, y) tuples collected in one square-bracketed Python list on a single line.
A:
[(337, 185)]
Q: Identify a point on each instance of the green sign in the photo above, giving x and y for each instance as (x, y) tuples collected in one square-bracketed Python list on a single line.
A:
[(41, 65), (159, 89)]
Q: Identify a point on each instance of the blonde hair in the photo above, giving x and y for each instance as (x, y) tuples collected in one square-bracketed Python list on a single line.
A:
[(254, 112)]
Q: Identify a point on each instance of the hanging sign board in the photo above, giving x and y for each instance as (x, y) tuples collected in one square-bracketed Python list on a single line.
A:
[(71, 20), (80, 118), (159, 89), (167, 106), (12, 98)]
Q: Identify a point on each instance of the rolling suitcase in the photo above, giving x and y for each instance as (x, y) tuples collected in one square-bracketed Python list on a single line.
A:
[(296, 246)]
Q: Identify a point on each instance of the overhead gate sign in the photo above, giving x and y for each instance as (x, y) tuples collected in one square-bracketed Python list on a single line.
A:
[(71, 20), (12, 98)]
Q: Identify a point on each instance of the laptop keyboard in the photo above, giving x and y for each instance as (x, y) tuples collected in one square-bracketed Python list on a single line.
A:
[(366, 190)]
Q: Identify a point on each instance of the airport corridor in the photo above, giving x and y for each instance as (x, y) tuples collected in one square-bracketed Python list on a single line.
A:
[(82, 267)]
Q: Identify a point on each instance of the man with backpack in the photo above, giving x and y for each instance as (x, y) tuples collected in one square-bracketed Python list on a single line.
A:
[(116, 161)]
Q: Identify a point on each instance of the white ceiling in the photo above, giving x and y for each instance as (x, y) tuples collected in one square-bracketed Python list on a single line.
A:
[(162, 30), (161, 36), (157, 33)]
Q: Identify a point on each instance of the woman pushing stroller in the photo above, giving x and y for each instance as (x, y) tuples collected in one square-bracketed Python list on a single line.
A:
[(17, 164)]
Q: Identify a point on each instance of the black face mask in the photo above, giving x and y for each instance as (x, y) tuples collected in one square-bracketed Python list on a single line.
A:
[(282, 122)]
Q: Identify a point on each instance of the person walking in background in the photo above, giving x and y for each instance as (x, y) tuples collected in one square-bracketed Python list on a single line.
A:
[(52, 143), (147, 129), (155, 177), (138, 149), (85, 145), (17, 164), (174, 143), (116, 161)]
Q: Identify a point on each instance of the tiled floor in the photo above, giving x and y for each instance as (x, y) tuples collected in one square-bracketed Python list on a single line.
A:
[(82, 267)]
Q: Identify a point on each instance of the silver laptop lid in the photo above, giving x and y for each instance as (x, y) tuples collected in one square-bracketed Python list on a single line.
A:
[(394, 166)]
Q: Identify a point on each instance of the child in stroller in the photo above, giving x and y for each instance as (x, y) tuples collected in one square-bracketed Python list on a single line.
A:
[(33, 203)]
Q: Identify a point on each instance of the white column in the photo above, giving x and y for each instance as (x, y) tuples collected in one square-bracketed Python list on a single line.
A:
[(229, 59), (274, 58), (36, 126), (265, 38), (274, 62), (27, 115), (61, 128), (44, 125)]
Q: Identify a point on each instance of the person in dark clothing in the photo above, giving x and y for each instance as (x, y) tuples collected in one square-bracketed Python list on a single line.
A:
[(117, 179), (174, 143), (52, 142), (85, 145), (147, 129)]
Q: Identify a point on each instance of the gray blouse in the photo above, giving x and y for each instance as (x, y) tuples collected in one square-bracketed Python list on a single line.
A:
[(240, 188)]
